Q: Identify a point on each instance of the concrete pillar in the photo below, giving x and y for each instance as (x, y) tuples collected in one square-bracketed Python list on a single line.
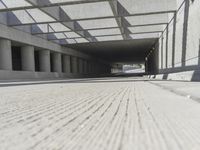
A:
[(92, 67), (98, 68), (89, 68), (28, 59), (85, 66), (74, 65), (5, 54), (77, 65), (80, 66), (44, 61), (57, 66), (66, 64)]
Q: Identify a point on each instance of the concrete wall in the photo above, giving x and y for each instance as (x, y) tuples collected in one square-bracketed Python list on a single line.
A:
[(7, 75), (179, 45), (27, 44), (60, 68), (27, 39), (152, 60)]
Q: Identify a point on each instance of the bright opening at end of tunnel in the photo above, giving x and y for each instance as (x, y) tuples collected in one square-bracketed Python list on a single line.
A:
[(129, 69)]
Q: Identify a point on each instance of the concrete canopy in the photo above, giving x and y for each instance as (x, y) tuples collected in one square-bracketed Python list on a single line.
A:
[(84, 21)]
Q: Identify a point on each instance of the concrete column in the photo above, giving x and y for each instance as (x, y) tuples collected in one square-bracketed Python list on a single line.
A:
[(74, 65), (5, 54), (44, 61), (91, 67), (96, 68), (80, 66), (77, 65), (85, 67), (66, 64), (28, 59), (57, 66), (88, 67)]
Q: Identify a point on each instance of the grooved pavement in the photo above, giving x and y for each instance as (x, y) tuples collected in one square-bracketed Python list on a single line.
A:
[(103, 114)]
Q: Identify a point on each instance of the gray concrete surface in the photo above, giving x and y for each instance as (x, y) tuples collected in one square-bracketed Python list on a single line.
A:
[(179, 45), (163, 34), (27, 55), (56, 62), (5, 54), (66, 64), (26, 38), (44, 61), (187, 89), (74, 65), (97, 114)]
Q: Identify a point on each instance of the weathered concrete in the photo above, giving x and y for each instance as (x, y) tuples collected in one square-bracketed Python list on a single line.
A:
[(98, 114), (24, 75), (66, 63), (181, 76), (28, 61), (74, 65), (26, 38), (85, 69), (44, 60), (5, 54), (21, 37), (57, 62), (179, 46), (80, 66)]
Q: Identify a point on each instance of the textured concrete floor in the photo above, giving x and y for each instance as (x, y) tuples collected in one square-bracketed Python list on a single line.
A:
[(103, 114)]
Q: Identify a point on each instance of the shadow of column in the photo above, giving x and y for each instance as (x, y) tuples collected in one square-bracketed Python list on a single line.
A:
[(162, 52), (174, 40), (196, 74), (165, 76), (167, 38), (185, 29)]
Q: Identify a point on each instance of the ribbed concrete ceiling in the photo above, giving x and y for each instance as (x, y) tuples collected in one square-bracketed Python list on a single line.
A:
[(81, 21)]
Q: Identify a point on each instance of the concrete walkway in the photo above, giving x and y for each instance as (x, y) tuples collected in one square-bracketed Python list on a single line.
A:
[(98, 114)]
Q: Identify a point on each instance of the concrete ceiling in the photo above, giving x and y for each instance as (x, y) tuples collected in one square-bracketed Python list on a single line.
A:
[(82, 21), (132, 51)]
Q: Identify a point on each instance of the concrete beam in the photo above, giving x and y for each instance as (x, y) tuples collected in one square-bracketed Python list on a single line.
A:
[(83, 19), (40, 43), (59, 15), (114, 6), (127, 35), (139, 25), (46, 3)]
